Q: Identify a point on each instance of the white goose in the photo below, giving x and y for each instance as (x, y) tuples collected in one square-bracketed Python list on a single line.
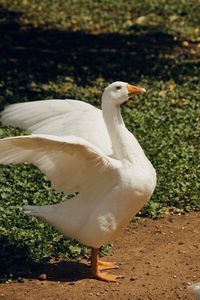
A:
[(95, 156)]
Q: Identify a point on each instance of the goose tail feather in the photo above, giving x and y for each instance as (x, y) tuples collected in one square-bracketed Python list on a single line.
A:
[(32, 210)]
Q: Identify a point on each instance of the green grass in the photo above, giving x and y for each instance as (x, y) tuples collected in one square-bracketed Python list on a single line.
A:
[(73, 49)]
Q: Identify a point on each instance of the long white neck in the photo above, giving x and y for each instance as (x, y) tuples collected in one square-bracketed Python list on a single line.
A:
[(124, 144)]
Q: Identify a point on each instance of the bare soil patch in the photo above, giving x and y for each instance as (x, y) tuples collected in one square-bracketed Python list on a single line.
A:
[(158, 258)]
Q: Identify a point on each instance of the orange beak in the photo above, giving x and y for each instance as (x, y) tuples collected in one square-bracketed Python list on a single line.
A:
[(134, 90)]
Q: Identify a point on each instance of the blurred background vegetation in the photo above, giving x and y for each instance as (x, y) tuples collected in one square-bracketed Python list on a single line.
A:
[(73, 49)]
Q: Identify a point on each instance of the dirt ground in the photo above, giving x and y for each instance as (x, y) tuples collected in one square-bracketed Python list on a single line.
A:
[(158, 258)]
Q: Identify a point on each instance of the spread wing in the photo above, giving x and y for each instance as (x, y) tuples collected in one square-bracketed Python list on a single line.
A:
[(72, 164), (60, 118)]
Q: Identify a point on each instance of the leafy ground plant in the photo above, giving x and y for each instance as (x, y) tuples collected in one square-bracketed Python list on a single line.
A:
[(55, 49)]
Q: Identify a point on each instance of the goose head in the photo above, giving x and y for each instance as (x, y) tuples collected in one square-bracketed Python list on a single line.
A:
[(119, 92)]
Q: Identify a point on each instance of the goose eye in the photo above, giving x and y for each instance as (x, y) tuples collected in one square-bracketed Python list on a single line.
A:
[(118, 87)]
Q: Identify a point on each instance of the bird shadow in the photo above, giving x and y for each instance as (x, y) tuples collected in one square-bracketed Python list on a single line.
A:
[(16, 262), (62, 271)]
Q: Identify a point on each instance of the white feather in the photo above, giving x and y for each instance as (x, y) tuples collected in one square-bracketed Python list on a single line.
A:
[(65, 160), (61, 118)]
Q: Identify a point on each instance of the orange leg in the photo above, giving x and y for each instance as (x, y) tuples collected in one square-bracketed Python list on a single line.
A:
[(105, 265), (98, 266)]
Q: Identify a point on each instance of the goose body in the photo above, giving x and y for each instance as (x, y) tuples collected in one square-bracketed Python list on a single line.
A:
[(113, 180), (99, 217)]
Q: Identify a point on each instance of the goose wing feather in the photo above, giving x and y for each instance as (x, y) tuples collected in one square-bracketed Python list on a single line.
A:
[(60, 118), (72, 164)]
